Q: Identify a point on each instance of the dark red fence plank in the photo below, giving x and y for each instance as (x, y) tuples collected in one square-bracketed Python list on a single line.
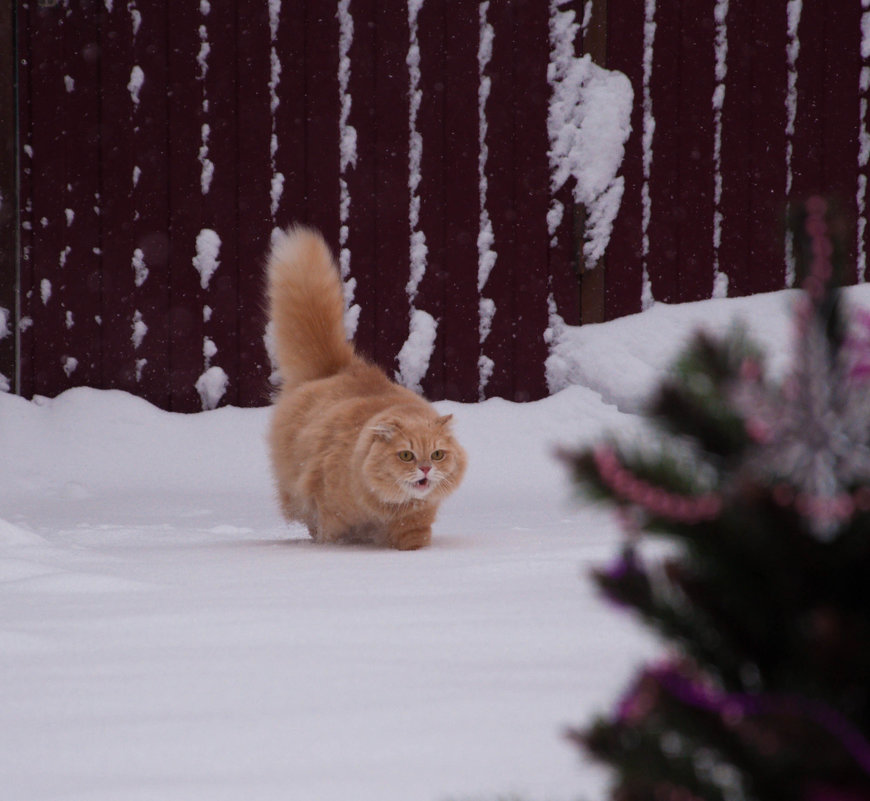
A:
[(186, 119), (501, 201), (430, 297), (531, 34), (8, 205), (26, 200), (64, 301), (135, 202), (765, 268), (289, 118), (806, 165), (625, 260), (663, 259), (220, 90), (461, 330), (736, 159), (47, 181), (391, 192), (322, 117), (863, 177), (842, 36), (257, 88), (694, 213), (361, 176), (754, 150), (80, 268), (204, 177)]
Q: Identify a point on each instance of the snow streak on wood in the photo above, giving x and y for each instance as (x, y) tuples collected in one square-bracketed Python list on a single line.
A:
[(202, 63), (139, 327), (276, 189), (863, 144), (347, 142), (720, 13), (649, 127), (486, 256), (793, 18)]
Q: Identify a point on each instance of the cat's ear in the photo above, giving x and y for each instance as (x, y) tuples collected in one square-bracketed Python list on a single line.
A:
[(385, 430), (443, 421)]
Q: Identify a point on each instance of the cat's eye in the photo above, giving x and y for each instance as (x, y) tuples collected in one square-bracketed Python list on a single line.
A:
[(437, 456), (406, 456)]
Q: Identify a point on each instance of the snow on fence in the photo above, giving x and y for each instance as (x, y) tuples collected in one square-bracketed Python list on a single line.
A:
[(470, 163)]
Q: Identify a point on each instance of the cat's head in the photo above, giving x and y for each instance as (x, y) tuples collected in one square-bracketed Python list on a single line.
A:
[(413, 456)]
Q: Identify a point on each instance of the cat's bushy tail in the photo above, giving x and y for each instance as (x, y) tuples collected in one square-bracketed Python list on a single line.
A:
[(306, 307)]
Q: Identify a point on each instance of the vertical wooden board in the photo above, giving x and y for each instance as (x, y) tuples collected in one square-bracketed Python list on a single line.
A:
[(840, 117), (765, 266), (322, 149), (392, 192), (8, 204), (26, 294), (83, 264), (220, 201), (431, 294), (134, 201), (255, 222), (531, 34), (664, 257), (460, 329), (863, 169), (290, 115), (623, 279), (737, 134), (807, 165), (362, 213), (695, 205), (187, 297), (54, 129), (501, 200), (202, 201), (46, 331)]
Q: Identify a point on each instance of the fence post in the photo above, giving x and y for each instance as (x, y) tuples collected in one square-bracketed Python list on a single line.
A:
[(8, 205)]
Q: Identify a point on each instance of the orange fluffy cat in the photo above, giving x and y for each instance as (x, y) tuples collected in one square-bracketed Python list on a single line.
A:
[(356, 457)]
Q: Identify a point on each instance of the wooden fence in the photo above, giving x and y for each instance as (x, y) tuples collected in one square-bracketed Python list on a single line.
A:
[(160, 143)]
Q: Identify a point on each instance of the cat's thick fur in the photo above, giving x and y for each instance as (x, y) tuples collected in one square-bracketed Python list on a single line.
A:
[(355, 456)]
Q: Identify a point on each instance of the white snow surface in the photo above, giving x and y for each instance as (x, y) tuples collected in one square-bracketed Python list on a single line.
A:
[(164, 634)]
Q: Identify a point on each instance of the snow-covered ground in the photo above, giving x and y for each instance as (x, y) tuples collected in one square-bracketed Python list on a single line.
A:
[(164, 635)]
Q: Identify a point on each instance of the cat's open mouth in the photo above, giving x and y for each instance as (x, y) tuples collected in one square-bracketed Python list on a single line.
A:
[(422, 483)]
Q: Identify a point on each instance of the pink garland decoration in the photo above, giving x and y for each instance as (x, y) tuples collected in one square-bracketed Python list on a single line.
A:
[(682, 508)]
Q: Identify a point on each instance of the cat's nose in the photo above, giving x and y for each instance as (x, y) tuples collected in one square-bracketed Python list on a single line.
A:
[(425, 468)]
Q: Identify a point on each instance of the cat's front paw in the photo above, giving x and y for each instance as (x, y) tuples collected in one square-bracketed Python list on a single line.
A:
[(411, 540)]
